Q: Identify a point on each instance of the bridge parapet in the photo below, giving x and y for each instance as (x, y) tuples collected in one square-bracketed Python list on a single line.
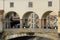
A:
[(36, 30)]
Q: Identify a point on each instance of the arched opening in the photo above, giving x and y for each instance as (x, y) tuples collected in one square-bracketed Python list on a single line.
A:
[(49, 20), (12, 20), (30, 38), (30, 20)]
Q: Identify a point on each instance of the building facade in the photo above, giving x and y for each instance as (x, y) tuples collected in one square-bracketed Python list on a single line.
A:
[(37, 7), (42, 14)]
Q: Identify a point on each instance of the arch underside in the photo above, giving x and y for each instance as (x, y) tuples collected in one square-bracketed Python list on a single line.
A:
[(31, 38), (46, 14), (36, 35)]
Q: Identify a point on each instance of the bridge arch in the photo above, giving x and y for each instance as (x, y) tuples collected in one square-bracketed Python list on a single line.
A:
[(37, 35), (30, 20), (49, 20), (12, 20)]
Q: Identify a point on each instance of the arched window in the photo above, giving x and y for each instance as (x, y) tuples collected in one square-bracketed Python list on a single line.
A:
[(49, 20), (12, 20), (30, 20)]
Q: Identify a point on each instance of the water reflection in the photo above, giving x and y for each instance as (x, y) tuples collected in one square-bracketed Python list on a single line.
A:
[(30, 38)]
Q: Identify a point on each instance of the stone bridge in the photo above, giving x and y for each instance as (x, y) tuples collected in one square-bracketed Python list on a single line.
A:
[(14, 33)]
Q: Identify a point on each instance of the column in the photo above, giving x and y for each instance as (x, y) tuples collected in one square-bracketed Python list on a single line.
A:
[(21, 23)]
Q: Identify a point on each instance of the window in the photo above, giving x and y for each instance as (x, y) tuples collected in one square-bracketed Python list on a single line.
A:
[(50, 3), (30, 4), (11, 4)]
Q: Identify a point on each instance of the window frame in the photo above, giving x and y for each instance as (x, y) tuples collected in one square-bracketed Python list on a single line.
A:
[(11, 4), (49, 3), (30, 4)]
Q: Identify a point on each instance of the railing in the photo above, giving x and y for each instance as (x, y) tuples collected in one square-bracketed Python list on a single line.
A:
[(35, 30)]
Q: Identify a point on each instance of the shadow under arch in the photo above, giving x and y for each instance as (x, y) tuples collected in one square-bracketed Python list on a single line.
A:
[(38, 36), (31, 38), (48, 19), (10, 12), (46, 14), (12, 20), (28, 20)]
